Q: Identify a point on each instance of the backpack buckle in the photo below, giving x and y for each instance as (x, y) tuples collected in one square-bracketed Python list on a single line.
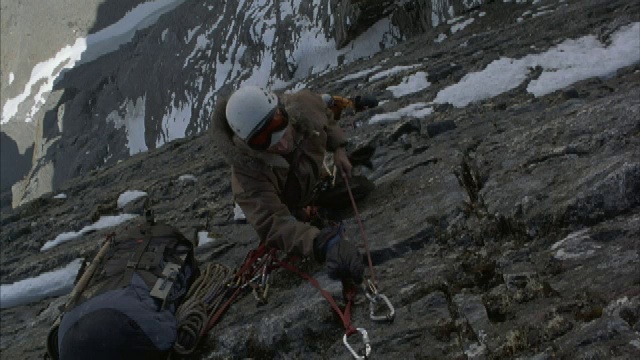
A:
[(164, 284)]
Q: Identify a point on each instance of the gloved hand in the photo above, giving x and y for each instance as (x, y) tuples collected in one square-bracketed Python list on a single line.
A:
[(342, 257), (364, 102)]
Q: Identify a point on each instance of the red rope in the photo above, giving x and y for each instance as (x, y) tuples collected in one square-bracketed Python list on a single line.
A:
[(253, 256), (350, 292)]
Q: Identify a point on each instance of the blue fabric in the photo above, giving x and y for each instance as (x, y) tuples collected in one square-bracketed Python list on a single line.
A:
[(334, 240), (134, 302)]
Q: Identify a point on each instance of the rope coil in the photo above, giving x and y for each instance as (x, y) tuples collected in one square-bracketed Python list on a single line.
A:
[(203, 299)]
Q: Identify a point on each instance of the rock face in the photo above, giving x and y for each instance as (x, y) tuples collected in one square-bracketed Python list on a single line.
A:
[(31, 33), (507, 228), (412, 18)]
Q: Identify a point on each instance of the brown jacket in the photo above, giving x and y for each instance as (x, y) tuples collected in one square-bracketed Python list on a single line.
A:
[(266, 186)]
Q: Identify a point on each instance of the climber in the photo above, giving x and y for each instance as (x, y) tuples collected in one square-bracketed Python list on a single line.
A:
[(276, 145)]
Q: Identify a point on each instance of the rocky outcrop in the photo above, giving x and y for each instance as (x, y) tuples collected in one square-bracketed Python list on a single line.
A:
[(506, 228), (413, 17)]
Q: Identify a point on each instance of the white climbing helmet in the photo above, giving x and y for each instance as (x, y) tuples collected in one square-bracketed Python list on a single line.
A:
[(248, 109)]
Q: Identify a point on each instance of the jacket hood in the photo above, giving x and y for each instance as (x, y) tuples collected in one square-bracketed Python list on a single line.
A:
[(221, 134)]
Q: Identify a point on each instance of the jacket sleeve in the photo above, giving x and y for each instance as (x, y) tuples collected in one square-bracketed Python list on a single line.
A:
[(271, 219)]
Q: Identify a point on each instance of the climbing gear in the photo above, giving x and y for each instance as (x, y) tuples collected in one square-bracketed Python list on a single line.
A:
[(255, 273), (88, 273), (375, 299), (372, 292), (203, 299), (365, 340), (249, 109), (212, 294)]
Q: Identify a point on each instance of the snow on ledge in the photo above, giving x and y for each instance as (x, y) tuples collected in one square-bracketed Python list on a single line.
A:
[(129, 196), (103, 223), (52, 283)]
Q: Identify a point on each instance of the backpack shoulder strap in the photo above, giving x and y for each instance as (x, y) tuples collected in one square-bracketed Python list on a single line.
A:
[(135, 259)]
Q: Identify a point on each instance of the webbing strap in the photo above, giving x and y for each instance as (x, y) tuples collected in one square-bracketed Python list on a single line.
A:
[(132, 264)]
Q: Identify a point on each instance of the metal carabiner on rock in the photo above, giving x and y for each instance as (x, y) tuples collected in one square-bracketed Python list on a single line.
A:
[(365, 340), (391, 313), (374, 299)]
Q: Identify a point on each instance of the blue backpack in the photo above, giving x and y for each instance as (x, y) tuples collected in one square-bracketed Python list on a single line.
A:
[(124, 305)]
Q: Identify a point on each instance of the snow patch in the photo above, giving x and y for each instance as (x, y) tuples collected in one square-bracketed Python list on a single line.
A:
[(187, 177), (204, 239), (359, 74), (457, 27), (410, 84), (417, 110), (103, 223), (563, 65), (129, 196), (52, 283), (131, 115), (393, 71)]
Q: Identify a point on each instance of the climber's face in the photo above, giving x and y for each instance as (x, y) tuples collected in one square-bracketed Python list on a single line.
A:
[(286, 143)]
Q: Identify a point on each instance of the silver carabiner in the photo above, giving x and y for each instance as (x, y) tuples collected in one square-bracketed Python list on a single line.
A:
[(365, 340), (374, 298), (374, 301)]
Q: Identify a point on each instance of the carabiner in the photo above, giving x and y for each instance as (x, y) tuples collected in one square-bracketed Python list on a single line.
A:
[(371, 292), (374, 301), (365, 340)]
